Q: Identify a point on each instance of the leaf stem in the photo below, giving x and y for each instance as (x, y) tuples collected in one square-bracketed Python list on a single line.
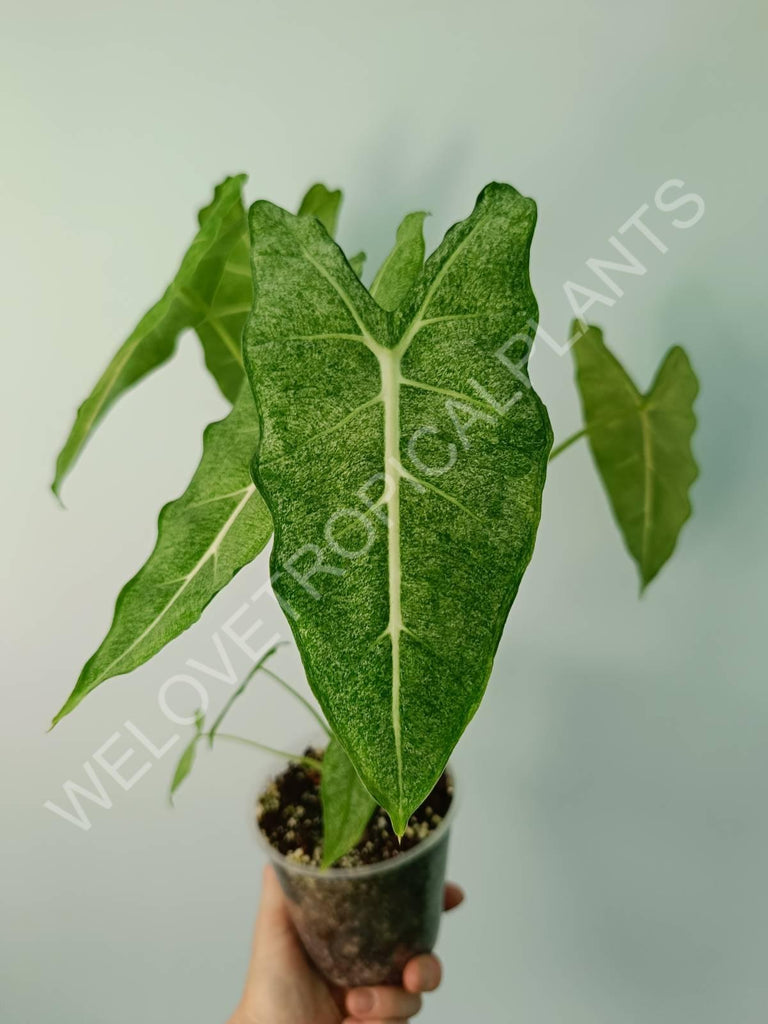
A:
[(567, 443), (287, 686), (310, 762)]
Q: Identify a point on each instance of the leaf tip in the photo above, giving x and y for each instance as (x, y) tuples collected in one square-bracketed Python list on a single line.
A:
[(61, 713), (399, 824), (56, 490), (646, 578)]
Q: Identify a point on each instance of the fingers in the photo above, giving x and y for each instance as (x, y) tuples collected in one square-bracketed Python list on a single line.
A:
[(422, 974), (453, 896), (382, 1004)]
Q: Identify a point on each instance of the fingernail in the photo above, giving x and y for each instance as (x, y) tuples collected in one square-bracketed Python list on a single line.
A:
[(361, 1001)]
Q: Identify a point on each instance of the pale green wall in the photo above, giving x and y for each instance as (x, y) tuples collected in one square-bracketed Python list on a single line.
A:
[(616, 858)]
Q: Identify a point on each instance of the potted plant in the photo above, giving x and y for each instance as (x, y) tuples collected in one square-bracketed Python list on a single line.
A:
[(389, 440)]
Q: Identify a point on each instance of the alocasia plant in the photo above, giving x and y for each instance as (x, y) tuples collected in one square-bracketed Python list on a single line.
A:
[(400, 452)]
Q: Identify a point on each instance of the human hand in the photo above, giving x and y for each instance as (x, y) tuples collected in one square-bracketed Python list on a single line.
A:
[(283, 987)]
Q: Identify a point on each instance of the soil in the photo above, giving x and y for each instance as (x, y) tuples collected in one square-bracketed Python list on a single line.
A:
[(290, 815)]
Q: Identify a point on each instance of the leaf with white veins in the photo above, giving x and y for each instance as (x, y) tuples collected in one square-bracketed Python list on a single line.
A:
[(641, 444), (220, 539), (347, 804), (211, 293), (398, 609), (218, 525)]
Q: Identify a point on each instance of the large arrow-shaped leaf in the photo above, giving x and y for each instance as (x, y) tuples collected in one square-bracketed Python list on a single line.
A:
[(216, 527), (641, 444), (398, 606)]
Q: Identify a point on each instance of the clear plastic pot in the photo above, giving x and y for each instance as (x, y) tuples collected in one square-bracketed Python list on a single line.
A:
[(360, 926)]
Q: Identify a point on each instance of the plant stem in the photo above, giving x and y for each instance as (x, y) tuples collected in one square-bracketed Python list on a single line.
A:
[(287, 686), (311, 762), (567, 443)]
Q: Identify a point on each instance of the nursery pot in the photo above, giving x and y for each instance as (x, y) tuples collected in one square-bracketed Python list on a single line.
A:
[(360, 926)]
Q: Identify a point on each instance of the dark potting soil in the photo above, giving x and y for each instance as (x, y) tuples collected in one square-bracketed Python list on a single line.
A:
[(290, 815)]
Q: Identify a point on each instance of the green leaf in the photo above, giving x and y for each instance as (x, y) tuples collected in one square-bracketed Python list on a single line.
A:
[(238, 693), (220, 523), (211, 293), (347, 804), (216, 527), (403, 265), (357, 262), (220, 325), (641, 444), (187, 760), (320, 202), (398, 609)]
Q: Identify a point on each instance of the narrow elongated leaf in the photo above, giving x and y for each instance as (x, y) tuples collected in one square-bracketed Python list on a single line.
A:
[(211, 292), (216, 527), (403, 265), (641, 444), (187, 760), (347, 804), (397, 605)]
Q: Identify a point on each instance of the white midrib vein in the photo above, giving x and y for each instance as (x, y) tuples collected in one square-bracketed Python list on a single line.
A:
[(210, 552), (389, 360), (389, 368), (389, 365)]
